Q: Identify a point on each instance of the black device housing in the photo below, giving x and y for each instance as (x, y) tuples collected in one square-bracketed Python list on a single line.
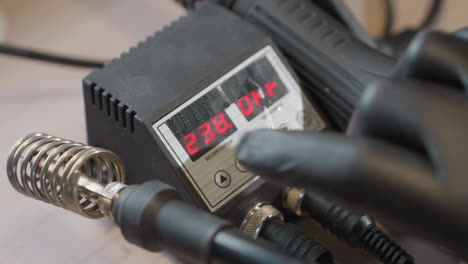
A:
[(126, 97)]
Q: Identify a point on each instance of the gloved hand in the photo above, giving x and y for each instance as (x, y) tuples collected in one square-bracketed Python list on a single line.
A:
[(405, 156), (404, 159)]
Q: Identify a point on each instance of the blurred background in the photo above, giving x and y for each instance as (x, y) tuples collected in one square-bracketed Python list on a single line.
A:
[(410, 14), (36, 96)]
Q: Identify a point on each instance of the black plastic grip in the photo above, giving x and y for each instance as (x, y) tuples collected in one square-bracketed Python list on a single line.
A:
[(230, 245), (151, 216), (333, 64), (357, 229), (295, 242), (187, 232)]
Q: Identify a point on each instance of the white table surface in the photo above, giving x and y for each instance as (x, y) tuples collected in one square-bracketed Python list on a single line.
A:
[(44, 97)]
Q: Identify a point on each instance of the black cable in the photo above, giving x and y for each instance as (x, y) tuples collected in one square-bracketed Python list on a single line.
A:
[(295, 242), (229, 245), (188, 4), (389, 18), (356, 229), (432, 15), (394, 44), (47, 57), (429, 20)]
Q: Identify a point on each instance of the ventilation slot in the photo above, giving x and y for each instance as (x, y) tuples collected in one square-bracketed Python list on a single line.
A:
[(131, 120), (123, 114), (115, 109), (112, 107), (99, 92), (106, 102), (313, 20), (91, 92)]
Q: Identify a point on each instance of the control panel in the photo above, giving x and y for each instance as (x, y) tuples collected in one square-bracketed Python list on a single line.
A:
[(201, 134)]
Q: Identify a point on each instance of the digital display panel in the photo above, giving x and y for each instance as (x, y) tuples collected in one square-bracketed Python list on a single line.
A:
[(204, 124), (254, 88)]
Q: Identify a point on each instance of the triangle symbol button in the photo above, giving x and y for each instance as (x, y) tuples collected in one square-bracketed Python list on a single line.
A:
[(222, 179)]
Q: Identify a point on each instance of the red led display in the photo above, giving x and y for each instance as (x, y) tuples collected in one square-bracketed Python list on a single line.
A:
[(204, 123), (190, 141), (209, 133), (250, 102), (270, 88)]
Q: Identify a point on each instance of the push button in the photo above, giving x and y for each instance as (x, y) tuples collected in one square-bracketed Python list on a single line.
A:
[(222, 179), (240, 167), (304, 119)]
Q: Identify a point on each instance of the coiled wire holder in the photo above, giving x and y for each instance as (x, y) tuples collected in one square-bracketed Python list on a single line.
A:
[(64, 173)]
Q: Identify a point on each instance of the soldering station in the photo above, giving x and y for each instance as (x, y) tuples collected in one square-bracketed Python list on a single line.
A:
[(168, 159)]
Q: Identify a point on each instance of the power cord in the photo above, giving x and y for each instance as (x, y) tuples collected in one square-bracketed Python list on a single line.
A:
[(297, 243), (394, 44), (48, 57), (356, 229), (389, 18)]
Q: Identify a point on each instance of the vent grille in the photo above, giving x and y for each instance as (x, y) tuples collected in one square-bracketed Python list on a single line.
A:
[(309, 19), (112, 107)]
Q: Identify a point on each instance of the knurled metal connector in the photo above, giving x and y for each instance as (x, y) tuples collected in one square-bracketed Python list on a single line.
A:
[(257, 217), (292, 200), (109, 194)]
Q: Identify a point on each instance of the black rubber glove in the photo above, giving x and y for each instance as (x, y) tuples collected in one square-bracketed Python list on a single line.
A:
[(437, 57), (405, 159)]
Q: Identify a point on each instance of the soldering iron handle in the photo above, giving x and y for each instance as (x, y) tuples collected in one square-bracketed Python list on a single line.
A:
[(151, 216), (320, 49)]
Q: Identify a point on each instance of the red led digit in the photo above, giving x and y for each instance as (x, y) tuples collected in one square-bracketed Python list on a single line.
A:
[(256, 96), (245, 106), (191, 140), (206, 133), (220, 123), (269, 87)]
